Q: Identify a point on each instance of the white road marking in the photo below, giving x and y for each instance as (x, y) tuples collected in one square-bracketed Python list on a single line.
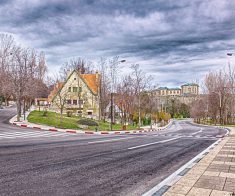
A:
[(197, 132), (158, 142), (13, 135), (170, 179), (111, 140)]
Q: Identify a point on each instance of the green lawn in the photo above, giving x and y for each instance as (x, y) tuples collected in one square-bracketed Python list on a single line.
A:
[(53, 119)]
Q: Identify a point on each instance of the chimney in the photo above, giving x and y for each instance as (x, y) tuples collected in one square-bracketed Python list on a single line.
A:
[(97, 76), (79, 71), (69, 72)]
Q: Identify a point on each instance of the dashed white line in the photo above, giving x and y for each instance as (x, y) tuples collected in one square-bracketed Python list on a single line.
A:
[(111, 140), (158, 142), (197, 132)]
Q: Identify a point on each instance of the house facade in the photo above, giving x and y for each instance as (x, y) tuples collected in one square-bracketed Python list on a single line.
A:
[(79, 94)]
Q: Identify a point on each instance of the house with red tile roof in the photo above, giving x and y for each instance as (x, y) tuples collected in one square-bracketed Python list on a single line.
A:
[(80, 94)]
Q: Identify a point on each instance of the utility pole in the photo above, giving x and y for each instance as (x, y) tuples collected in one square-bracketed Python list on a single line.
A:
[(113, 70)]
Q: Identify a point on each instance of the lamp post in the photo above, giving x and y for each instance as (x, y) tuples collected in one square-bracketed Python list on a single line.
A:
[(220, 104), (233, 87), (111, 94)]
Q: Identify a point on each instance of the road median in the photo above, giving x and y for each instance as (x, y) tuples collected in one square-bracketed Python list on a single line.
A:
[(26, 124)]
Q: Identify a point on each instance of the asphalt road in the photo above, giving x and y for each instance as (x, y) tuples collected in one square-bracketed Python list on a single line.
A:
[(36, 162)]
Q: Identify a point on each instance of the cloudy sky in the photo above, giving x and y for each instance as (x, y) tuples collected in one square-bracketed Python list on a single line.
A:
[(177, 41)]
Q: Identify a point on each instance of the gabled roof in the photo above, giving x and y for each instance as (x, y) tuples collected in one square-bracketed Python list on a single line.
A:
[(91, 81), (55, 90)]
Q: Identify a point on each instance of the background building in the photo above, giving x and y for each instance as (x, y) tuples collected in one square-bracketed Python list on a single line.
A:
[(185, 90)]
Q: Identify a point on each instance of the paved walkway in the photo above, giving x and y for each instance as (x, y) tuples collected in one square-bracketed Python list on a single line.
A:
[(214, 175)]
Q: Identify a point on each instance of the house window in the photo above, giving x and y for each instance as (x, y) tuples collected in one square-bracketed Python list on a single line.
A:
[(89, 113), (80, 102), (75, 89), (80, 89), (69, 101), (75, 102), (69, 89)]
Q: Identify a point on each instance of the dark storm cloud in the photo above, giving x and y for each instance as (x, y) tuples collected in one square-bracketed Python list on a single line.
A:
[(170, 39)]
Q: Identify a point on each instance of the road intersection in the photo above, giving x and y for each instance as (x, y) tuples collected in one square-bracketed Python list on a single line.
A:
[(37, 162)]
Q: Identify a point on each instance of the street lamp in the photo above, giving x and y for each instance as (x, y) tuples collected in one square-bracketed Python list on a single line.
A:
[(220, 104), (111, 95)]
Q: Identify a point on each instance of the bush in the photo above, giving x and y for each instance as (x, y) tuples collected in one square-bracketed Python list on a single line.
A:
[(44, 114), (69, 113), (87, 122)]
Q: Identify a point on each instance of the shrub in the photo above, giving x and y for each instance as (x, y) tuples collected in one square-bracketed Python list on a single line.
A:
[(44, 114), (69, 113), (87, 122)]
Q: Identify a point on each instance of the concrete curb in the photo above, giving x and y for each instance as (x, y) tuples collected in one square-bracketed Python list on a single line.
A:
[(221, 127), (167, 183), (26, 124), (163, 186)]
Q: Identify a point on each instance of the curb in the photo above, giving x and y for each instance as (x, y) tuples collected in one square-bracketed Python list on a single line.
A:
[(168, 182), (72, 131), (221, 127)]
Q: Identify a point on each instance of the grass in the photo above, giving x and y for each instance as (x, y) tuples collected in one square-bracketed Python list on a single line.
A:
[(53, 119), (105, 126), (229, 125)]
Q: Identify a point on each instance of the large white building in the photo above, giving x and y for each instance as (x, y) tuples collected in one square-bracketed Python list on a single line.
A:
[(185, 90)]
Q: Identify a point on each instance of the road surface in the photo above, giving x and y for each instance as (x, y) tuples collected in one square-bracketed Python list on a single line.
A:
[(34, 162)]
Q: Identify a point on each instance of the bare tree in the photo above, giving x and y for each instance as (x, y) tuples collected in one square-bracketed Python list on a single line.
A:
[(60, 98), (139, 79), (78, 64), (21, 69)]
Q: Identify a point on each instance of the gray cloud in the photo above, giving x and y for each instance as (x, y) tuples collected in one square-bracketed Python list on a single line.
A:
[(176, 41)]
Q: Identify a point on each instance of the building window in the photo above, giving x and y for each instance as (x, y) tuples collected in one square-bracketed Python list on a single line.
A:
[(75, 102), (75, 89), (69, 101), (69, 89), (80, 102), (80, 89), (89, 113)]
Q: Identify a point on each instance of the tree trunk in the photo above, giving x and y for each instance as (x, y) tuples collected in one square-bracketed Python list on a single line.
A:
[(18, 107), (61, 117)]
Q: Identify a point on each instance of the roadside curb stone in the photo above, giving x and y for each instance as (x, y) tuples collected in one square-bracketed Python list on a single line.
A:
[(26, 124), (213, 175)]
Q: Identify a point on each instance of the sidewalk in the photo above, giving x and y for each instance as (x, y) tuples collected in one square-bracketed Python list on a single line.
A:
[(214, 175)]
